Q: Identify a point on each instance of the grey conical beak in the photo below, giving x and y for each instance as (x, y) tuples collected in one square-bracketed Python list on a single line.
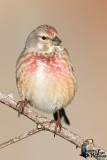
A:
[(56, 40)]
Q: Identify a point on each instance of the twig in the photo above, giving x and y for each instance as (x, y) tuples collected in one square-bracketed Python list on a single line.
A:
[(44, 123), (18, 138)]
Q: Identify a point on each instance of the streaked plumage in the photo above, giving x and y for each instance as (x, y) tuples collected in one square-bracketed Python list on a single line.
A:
[(44, 73)]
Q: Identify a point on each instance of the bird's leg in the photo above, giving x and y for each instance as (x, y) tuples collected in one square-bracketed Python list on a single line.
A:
[(20, 106), (58, 123)]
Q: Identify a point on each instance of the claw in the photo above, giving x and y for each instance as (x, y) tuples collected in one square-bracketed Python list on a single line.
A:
[(20, 106), (58, 125)]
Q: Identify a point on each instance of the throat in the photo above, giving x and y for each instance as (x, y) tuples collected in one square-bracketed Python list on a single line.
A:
[(42, 49), (48, 49)]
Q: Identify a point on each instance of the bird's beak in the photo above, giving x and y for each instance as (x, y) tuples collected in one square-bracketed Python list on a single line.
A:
[(56, 40)]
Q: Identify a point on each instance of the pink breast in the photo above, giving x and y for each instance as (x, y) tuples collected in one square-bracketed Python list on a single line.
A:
[(54, 66)]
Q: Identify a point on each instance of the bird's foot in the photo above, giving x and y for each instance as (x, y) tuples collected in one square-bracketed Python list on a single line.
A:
[(58, 126), (20, 106)]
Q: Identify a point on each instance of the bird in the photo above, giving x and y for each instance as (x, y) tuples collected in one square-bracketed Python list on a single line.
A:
[(44, 74)]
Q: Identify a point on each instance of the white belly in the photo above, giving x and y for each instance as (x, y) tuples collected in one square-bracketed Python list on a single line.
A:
[(48, 93)]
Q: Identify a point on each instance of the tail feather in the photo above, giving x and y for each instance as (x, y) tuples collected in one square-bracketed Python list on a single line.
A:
[(62, 115)]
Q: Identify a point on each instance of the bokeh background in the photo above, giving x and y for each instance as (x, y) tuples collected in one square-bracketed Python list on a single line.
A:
[(82, 26)]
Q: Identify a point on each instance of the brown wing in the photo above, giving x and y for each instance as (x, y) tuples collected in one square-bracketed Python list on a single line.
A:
[(67, 57)]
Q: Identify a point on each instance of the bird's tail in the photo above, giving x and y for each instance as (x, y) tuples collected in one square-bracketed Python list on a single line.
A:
[(62, 115)]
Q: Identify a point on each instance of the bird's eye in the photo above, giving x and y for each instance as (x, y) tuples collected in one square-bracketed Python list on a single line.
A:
[(43, 37)]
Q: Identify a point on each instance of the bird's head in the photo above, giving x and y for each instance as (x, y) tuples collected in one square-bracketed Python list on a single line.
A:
[(43, 39)]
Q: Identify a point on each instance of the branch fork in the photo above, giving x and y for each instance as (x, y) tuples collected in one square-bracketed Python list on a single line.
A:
[(88, 148)]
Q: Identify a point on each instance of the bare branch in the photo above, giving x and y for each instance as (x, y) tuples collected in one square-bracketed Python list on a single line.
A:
[(22, 136), (44, 123)]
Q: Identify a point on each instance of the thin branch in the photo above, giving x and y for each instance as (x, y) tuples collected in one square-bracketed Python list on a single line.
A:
[(44, 123), (18, 138)]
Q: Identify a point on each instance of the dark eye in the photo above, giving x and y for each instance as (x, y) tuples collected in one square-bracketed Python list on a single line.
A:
[(43, 37)]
